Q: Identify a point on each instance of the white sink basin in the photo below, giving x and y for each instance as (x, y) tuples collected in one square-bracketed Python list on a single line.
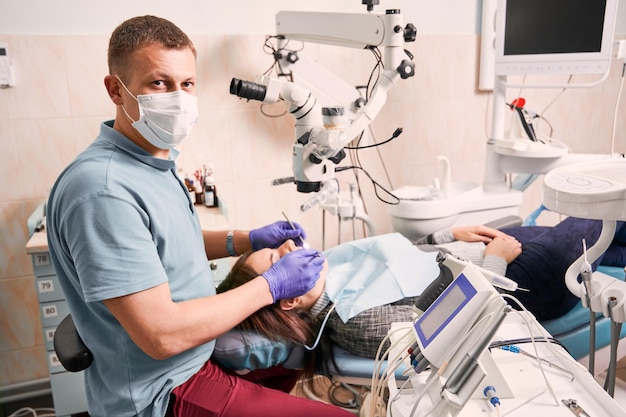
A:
[(424, 210)]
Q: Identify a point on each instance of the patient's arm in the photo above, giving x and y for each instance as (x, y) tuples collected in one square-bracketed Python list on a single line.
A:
[(505, 248), (478, 233)]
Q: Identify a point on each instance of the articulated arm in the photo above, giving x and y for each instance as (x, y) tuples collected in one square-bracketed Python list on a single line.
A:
[(318, 147)]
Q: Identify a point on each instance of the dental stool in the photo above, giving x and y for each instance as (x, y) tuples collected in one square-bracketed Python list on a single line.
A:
[(74, 356), (69, 347)]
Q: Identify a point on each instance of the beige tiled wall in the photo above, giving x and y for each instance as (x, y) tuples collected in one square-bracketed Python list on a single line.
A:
[(55, 109)]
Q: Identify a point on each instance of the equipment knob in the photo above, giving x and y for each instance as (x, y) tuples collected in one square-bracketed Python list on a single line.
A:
[(410, 32), (406, 69)]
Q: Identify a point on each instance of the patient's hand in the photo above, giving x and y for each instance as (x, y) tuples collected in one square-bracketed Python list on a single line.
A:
[(477, 234), (508, 249)]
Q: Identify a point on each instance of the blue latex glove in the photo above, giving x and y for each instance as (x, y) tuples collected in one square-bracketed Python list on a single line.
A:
[(294, 274), (275, 234)]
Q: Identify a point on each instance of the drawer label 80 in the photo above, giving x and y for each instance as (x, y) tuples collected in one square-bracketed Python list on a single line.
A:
[(50, 311)]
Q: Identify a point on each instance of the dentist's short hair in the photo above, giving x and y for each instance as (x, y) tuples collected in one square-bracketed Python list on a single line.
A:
[(137, 32)]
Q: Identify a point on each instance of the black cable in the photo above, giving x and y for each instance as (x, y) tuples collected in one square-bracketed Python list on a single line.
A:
[(395, 134), (350, 403), (379, 64), (376, 185)]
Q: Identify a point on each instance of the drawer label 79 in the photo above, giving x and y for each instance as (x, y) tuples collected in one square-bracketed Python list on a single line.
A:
[(45, 285)]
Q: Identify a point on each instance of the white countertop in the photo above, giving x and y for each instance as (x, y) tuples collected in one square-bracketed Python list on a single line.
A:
[(211, 218)]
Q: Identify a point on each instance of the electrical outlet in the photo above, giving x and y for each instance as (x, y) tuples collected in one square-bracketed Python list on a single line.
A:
[(6, 68), (620, 49)]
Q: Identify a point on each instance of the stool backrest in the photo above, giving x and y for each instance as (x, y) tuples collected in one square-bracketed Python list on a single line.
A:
[(70, 348)]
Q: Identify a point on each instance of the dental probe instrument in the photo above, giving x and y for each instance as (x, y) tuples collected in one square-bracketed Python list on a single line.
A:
[(586, 275), (304, 244), (516, 349)]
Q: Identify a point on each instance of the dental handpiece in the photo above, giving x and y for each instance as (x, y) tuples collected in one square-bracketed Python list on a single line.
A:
[(304, 245), (494, 279), (586, 273), (433, 290)]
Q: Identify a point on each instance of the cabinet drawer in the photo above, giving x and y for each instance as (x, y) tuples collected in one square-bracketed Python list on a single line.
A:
[(54, 366), (48, 337), (53, 312), (48, 289), (42, 265), (68, 393)]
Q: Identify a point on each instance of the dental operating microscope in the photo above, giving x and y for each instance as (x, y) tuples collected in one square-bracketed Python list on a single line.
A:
[(329, 113)]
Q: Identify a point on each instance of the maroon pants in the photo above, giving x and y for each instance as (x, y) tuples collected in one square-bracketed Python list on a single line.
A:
[(212, 392)]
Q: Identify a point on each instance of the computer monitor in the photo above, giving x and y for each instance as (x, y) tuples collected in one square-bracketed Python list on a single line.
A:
[(554, 36)]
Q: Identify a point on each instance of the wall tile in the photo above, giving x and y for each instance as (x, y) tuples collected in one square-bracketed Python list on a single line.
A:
[(14, 262), (18, 300), (45, 147), (41, 85), (10, 171), (85, 68), (23, 365)]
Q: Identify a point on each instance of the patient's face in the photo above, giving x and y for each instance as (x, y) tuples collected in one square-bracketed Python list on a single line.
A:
[(263, 259)]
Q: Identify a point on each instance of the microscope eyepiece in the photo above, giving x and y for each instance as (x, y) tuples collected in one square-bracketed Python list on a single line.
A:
[(247, 89)]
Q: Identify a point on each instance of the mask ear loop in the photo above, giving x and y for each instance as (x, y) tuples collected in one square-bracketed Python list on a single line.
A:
[(131, 94), (126, 88), (319, 335)]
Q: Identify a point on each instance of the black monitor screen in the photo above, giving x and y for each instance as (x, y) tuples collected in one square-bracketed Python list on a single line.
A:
[(553, 26)]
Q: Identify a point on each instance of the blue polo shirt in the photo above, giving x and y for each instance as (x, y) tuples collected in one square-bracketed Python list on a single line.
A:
[(120, 221)]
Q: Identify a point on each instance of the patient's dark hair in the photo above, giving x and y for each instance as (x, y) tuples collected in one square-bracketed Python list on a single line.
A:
[(291, 326)]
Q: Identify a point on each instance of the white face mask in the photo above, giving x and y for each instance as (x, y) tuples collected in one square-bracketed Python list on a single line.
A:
[(165, 119)]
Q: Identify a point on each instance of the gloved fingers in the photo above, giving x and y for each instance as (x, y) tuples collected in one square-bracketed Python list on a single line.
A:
[(294, 274), (302, 257), (275, 234), (297, 228)]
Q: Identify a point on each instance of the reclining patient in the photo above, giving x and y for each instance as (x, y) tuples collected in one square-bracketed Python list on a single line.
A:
[(535, 257)]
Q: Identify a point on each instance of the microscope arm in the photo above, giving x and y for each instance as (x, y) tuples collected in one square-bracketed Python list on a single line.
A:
[(376, 102), (314, 157), (353, 30)]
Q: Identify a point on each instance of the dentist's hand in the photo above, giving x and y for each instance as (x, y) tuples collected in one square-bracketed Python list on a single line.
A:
[(273, 235), (294, 274)]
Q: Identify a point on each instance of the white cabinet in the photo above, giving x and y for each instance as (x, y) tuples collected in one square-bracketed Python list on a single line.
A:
[(68, 388)]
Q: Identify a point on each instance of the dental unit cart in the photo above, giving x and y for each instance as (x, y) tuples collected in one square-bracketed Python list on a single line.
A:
[(68, 388), (481, 360)]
